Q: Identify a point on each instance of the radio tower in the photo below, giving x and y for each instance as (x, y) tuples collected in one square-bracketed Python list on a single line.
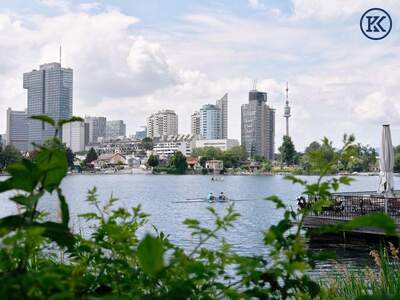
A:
[(287, 114)]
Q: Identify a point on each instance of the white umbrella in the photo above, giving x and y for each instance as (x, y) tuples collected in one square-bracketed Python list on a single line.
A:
[(386, 162)]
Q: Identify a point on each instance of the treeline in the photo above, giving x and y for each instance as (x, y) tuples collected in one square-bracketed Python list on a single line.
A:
[(356, 158)]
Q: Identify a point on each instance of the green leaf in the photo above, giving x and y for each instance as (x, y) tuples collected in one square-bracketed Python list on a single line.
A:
[(54, 166), (70, 120), (44, 118), (63, 207), (279, 203), (375, 220), (27, 200), (58, 233), (24, 176), (151, 255)]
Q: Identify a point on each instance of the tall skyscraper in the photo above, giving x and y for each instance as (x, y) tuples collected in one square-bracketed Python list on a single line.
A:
[(97, 128), (210, 122), (74, 136), (115, 129), (195, 124), (258, 126), (49, 93), (164, 122), (287, 114), (17, 129), (223, 106)]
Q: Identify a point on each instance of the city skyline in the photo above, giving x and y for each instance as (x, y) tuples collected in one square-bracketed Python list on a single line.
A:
[(338, 77)]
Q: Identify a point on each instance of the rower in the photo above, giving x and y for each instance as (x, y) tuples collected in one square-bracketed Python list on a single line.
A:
[(221, 197), (210, 197)]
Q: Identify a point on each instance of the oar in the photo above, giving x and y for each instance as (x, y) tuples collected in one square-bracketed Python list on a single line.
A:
[(204, 200), (193, 201), (195, 198)]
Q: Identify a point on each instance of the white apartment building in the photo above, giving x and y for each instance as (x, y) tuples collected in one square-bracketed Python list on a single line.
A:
[(223, 144), (164, 122), (174, 143), (17, 129), (74, 136)]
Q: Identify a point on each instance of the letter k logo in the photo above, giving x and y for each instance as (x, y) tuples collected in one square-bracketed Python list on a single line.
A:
[(375, 22)]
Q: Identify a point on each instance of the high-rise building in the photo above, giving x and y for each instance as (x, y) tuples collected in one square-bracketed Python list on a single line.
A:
[(164, 122), (49, 93), (210, 122), (258, 126), (17, 129), (74, 136), (97, 128), (223, 106), (115, 129), (195, 124)]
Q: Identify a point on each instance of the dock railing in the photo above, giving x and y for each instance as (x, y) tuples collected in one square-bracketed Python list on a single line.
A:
[(348, 205)]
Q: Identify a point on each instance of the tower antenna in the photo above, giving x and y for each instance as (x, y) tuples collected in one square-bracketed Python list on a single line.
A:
[(60, 55), (287, 114), (254, 84)]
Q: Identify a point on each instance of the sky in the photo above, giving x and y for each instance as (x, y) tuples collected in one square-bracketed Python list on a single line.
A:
[(131, 58)]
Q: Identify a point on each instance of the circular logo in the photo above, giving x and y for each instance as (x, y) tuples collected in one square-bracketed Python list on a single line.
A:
[(376, 23)]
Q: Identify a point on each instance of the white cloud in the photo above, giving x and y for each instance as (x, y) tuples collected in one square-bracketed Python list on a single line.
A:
[(254, 3), (326, 10)]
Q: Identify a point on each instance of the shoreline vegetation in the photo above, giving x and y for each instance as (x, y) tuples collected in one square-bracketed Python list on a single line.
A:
[(42, 258)]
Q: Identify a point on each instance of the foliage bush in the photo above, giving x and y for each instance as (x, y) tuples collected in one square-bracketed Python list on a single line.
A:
[(42, 259)]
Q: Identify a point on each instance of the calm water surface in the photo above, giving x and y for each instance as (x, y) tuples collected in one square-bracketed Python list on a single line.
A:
[(158, 193)]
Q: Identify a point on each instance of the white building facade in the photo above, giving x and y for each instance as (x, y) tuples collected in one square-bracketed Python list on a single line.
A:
[(74, 136), (164, 122), (174, 143), (17, 129), (223, 144)]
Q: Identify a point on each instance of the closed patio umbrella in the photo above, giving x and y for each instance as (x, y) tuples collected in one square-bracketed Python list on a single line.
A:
[(386, 162)]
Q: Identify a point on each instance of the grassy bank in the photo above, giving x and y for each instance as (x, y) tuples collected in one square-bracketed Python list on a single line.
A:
[(380, 282)]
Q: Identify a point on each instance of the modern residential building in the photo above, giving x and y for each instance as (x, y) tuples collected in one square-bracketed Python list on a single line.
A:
[(210, 122), (49, 93), (168, 145), (17, 129), (223, 106), (97, 128), (223, 144), (74, 136), (115, 129), (195, 123), (258, 126), (164, 122)]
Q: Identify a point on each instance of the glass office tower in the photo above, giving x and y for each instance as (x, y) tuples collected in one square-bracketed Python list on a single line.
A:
[(49, 93)]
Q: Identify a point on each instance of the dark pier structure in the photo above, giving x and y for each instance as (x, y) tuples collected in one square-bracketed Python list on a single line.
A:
[(345, 206)]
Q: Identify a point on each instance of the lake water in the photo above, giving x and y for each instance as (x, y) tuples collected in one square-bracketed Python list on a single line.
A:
[(157, 195)]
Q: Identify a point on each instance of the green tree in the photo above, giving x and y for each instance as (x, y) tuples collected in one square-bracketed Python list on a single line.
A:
[(178, 163), (153, 161), (9, 155), (287, 151), (397, 159), (91, 156)]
